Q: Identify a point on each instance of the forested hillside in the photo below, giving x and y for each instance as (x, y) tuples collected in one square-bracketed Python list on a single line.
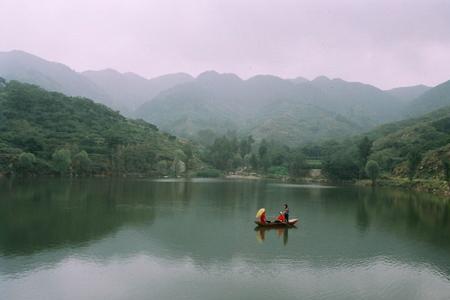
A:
[(45, 132), (414, 148)]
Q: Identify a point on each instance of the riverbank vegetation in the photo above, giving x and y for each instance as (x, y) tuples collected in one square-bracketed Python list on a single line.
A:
[(416, 150), (231, 154), (414, 153)]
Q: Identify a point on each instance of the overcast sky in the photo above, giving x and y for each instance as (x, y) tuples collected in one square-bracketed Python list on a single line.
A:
[(387, 43)]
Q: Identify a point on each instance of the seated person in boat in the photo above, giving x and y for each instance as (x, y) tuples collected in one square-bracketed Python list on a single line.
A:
[(263, 219), (261, 214), (280, 218)]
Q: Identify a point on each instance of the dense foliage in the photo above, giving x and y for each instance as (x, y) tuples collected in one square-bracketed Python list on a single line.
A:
[(229, 153), (45, 132), (372, 170), (411, 148)]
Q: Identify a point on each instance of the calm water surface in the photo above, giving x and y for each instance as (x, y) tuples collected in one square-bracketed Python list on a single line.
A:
[(142, 239)]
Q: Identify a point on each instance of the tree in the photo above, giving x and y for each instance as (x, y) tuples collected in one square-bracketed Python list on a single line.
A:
[(25, 163), (414, 159), (253, 162), (237, 161), (364, 149), (341, 166), (178, 167), (162, 167), (220, 153), (187, 149), (446, 165), (262, 149), (245, 146), (82, 163), (372, 170), (297, 165), (61, 161)]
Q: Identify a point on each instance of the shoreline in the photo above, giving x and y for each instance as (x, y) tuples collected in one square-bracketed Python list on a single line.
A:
[(431, 186)]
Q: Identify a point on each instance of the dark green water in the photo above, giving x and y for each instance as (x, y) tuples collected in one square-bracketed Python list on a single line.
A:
[(137, 239)]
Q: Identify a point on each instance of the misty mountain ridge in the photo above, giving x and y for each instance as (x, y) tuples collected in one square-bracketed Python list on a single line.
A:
[(131, 90), (270, 107), (294, 111), (433, 99), (120, 91), (408, 93), (25, 67)]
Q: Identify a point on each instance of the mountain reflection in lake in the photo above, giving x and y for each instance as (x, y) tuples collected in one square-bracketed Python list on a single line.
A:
[(195, 239)]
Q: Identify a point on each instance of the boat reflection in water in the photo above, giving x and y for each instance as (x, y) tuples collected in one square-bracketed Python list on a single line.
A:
[(280, 232)]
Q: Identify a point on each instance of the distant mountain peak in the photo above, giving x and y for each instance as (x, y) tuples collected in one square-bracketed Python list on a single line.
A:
[(298, 80), (107, 71), (208, 74), (179, 75), (321, 78), (265, 77), (214, 75), (19, 53)]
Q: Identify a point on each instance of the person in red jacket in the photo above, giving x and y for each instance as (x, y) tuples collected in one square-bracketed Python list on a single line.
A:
[(281, 217), (262, 218)]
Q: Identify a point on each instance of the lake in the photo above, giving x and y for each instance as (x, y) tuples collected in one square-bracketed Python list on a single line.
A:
[(196, 239)]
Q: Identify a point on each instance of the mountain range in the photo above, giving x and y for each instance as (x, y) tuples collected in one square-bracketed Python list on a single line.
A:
[(292, 111), (120, 91), (289, 111)]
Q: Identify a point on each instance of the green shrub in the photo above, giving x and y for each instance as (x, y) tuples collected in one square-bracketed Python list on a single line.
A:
[(372, 170), (278, 171)]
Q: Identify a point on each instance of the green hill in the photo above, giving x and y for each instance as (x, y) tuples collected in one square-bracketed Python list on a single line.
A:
[(416, 148), (426, 135), (432, 99), (62, 134)]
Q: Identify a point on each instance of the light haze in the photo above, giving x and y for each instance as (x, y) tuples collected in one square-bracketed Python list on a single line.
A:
[(384, 43)]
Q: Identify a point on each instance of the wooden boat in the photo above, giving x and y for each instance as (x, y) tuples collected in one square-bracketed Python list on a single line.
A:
[(291, 223)]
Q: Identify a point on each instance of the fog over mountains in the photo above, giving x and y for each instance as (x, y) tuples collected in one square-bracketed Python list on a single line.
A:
[(128, 91), (292, 111)]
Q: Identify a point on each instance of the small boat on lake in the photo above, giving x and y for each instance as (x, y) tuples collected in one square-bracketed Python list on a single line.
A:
[(277, 223)]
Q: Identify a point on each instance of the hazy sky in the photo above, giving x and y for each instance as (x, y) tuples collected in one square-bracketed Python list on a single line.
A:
[(387, 43)]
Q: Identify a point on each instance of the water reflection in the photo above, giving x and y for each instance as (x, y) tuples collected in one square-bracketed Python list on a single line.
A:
[(281, 232), (41, 215)]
